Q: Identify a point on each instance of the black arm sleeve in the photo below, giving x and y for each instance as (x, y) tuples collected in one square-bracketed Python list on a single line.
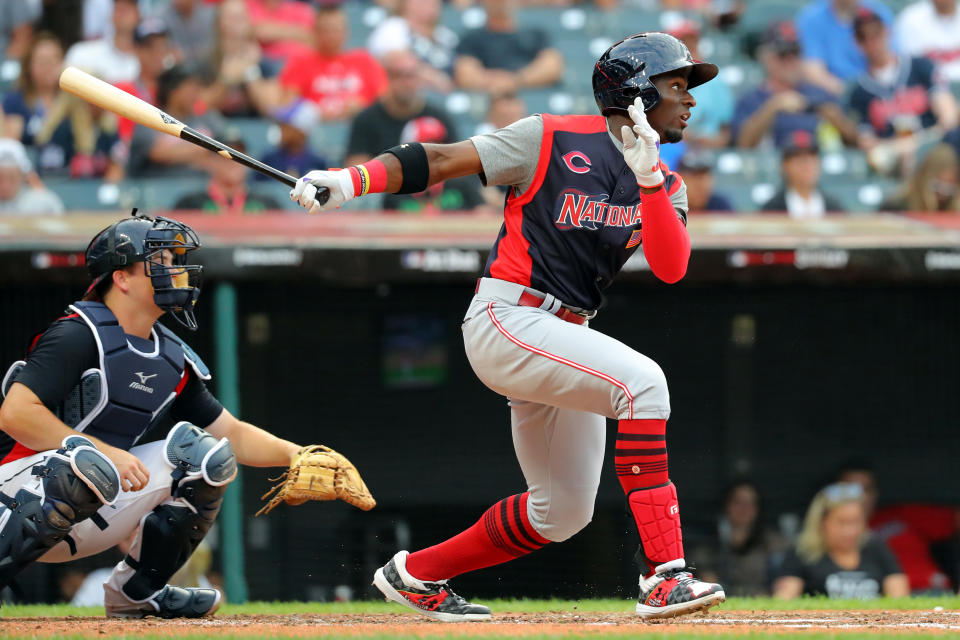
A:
[(58, 360), (195, 404)]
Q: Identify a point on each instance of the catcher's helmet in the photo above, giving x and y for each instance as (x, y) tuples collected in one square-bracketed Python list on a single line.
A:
[(143, 239), (626, 70)]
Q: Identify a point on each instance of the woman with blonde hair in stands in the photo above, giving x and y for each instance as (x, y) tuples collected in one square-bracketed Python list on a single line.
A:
[(28, 107), (835, 555), (934, 185)]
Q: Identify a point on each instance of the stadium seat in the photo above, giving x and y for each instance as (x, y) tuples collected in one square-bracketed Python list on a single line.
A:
[(330, 139), (844, 165), (256, 133), (145, 193), (760, 14)]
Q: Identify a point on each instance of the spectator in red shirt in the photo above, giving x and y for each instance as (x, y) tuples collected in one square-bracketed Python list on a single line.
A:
[(282, 27), (341, 83)]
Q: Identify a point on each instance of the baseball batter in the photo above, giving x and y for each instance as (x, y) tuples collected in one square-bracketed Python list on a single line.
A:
[(579, 188), (72, 481)]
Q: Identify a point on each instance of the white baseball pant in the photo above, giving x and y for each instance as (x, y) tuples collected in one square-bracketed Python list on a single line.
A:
[(561, 381)]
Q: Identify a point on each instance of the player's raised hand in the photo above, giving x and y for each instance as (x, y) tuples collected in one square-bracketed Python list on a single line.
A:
[(641, 147), (338, 183)]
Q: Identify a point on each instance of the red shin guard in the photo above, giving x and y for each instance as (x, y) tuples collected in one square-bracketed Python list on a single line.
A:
[(658, 520), (502, 534)]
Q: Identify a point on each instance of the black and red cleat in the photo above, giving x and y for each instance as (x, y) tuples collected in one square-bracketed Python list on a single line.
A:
[(672, 591), (432, 599)]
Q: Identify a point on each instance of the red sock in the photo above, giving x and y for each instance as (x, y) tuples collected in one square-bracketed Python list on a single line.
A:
[(641, 460), (502, 534), (641, 454)]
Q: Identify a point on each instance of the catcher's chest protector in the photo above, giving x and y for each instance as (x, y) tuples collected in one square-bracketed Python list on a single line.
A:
[(131, 389)]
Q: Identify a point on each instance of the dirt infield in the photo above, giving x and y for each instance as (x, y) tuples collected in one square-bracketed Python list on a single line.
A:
[(504, 624)]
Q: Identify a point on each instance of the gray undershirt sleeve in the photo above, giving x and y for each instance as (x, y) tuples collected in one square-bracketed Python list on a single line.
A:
[(679, 199), (509, 155)]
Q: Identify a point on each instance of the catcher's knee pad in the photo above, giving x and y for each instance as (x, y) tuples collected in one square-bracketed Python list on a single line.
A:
[(71, 484), (193, 453), (561, 514)]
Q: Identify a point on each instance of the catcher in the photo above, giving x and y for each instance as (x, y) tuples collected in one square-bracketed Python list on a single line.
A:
[(74, 482)]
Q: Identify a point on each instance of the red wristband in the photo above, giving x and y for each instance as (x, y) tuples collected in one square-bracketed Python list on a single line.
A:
[(357, 179), (369, 177)]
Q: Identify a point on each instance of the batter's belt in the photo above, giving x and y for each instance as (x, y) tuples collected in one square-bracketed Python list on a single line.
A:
[(513, 293)]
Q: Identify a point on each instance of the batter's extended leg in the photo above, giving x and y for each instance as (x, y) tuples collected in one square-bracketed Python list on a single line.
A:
[(641, 462)]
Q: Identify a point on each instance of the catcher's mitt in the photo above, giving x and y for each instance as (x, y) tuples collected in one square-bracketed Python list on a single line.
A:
[(319, 473)]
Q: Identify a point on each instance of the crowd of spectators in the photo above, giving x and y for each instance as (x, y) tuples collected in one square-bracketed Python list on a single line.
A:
[(848, 75), (850, 544)]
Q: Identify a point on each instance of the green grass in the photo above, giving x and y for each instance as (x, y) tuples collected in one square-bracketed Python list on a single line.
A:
[(522, 606), (758, 635), (517, 606)]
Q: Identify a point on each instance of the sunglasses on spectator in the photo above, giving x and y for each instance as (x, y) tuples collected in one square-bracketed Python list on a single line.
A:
[(843, 492)]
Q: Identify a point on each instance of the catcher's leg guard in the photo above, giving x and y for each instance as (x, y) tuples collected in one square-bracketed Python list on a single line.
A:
[(70, 485), (202, 467)]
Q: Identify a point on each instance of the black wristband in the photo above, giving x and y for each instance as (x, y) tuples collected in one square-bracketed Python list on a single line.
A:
[(415, 167)]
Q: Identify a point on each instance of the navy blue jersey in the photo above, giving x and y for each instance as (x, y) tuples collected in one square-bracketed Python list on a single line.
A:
[(570, 232), (904, 104)]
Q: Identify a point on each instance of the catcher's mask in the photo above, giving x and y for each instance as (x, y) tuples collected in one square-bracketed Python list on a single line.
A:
[(144, 239)]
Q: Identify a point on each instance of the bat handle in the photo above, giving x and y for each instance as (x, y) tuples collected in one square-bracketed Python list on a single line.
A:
[(323, 194)]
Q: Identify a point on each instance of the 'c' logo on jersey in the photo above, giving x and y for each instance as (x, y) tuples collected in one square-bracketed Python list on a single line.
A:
[(582, 166)]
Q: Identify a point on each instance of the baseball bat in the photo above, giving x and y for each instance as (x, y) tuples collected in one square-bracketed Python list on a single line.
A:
[(104, 95)]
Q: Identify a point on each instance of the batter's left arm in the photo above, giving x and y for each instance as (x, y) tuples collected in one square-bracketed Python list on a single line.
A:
[(408, 168), (663, 234), (445, 161)]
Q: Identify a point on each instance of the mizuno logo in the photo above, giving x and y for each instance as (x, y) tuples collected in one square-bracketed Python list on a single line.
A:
[(142, 385)]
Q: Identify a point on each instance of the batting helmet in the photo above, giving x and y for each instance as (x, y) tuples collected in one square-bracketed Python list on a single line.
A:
[(626, 70), (144, 239)]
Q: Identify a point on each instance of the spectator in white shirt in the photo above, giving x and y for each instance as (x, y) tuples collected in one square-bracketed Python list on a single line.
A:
[(17, 198), (416, 28), (801, 196), (111, 58), (931, 28)]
